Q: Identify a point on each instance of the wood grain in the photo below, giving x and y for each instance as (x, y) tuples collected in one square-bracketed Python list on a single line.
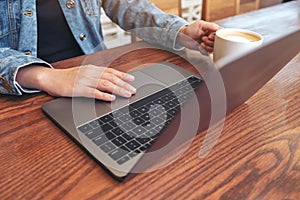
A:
[(256, 157)]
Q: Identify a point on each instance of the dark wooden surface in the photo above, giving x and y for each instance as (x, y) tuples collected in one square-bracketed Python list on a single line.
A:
[(256, 157)]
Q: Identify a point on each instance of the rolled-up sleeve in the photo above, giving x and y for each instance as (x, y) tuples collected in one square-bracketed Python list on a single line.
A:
[(10, 62)]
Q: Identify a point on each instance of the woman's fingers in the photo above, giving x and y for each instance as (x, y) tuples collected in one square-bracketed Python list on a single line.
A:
[(94, 93), (88, 81), (106, 80), (105, 85), (112, 78), (207, 48), (124, 76)]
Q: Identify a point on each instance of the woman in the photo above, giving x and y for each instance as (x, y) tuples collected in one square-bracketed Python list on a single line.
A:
[(34, 34)]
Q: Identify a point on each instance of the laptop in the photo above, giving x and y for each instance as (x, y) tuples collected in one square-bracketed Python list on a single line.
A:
[(172, 104)]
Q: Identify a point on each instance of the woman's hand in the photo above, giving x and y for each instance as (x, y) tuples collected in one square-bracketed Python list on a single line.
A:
[(199, 34), (84, 81)]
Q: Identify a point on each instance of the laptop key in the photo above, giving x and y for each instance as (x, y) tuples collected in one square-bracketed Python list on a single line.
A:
[(113, 123), (107, 147), (143, 109), (94, 133), (132, 145), (138, 121), (118, 131), (159, 128), (119, 141), (125, 118), (171, 104), (166, 98), (134, 153), (155, 112), (127, 126), (148, 125), (118, 121), (149, 105), (128, 136), (100, 140), (116, 114), (145, 147), (110, 135), (172, 112), (106, 118), (194, 82), (183, 98), (139, 130), (85, 128), (158, 121), (159, 101), (135, 113), (143, 139), (132, 134), (123, 160), (145, 117), (106, 127), (152, 133), (94, 123), (118, 153)]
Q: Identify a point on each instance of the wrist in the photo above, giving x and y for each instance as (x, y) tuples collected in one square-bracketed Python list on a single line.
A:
[(179, 42), (32, 77), (183, 29)]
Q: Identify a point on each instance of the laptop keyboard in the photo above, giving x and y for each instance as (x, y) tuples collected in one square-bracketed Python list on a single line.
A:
[(130, 130)]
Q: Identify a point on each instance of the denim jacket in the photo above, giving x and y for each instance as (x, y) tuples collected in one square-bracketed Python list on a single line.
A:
[(18, 30)]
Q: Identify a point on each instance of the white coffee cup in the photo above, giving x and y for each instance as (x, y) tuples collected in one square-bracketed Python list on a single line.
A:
[(232, 43)]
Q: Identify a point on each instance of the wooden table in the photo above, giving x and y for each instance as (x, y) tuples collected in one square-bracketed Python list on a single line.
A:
[(256, 157)]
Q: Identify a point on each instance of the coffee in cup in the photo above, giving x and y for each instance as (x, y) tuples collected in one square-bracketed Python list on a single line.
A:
[(231, 42)]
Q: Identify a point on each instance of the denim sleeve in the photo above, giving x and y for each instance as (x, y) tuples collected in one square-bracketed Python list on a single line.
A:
[(145, 20), (10, 62)]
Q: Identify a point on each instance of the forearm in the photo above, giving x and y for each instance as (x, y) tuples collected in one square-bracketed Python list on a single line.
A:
[(145, 20)]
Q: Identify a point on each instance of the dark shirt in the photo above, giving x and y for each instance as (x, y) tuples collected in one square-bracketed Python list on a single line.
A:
[(55, 40)]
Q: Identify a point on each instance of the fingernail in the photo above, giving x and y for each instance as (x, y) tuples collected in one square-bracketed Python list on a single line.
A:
[(130, 77), (112, 97), (126, 93), (133, 90)]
